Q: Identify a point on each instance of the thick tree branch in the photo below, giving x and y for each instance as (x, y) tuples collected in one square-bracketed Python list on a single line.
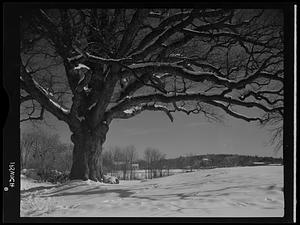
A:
[(41, 95), (232, 113), (31, 118), (151, 47), (235, 36), (259, 96), (25, 98), (45, 25), (136, 101), (199, 76), (126, 114), (134, 26)]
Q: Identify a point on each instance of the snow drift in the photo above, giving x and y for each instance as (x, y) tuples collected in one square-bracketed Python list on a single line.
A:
[(221, 192)]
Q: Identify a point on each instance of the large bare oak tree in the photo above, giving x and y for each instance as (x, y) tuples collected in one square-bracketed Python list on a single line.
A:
[(88, 67)]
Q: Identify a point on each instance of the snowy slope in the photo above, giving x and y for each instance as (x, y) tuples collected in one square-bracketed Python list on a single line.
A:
[(221, 192)]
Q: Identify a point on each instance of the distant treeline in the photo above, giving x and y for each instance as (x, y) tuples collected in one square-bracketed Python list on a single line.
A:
[(214, 160)]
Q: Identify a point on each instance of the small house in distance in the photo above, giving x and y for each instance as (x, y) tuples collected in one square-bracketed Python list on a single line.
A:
[(135, 166), (259, 163)]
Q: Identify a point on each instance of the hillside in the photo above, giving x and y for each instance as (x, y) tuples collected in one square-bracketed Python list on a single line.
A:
[(215, 161)]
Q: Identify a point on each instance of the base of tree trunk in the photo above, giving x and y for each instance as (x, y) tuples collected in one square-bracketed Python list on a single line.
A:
[(86, 159)]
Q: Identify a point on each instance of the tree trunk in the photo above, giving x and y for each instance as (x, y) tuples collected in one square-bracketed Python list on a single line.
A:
[(87, 162)]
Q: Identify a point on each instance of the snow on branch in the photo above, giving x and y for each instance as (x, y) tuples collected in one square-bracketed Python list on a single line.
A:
[(133, 111), (182, 109), (157, 107), (107, 60), (81, 66), (197, 76), (92, 106), (151, 64), (59, 106), (155, 14), (97, 59), (49, 95)]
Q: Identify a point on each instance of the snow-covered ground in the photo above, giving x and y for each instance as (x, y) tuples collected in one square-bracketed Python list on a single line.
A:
[(221, 192)]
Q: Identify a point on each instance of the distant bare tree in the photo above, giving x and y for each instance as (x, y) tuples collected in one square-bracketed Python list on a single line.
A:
[(40, 150), (189, 161), (132, 156), (63, 155), (161, 163), (88, 67), (275, 124), (26, 146), (117, 158), (148, 159), (154, 159), (120, 158), (108, 161)]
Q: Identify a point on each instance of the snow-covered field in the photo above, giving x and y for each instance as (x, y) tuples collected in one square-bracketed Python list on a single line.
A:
[(221, 192)]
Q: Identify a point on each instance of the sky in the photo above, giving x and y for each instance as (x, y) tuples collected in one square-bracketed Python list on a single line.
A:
[(191, 134)]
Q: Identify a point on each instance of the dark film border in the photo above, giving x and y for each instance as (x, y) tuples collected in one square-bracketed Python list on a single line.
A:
[(11, 134)]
